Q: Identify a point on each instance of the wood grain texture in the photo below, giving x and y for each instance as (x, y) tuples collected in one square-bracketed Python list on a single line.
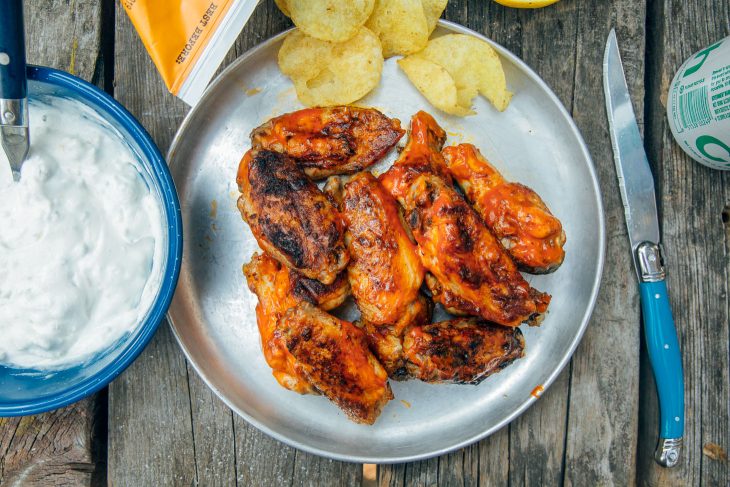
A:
[(213, 435), (603, 410), (150, 419), (58, 448), (261, 459), (537, 438), (51, 449), (64, 35), (692, 201)]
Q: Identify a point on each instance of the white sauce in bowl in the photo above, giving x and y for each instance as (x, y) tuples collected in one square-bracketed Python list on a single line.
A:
[(81, 240)]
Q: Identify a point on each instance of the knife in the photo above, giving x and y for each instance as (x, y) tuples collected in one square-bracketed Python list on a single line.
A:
[(13, 85), (636, 184)]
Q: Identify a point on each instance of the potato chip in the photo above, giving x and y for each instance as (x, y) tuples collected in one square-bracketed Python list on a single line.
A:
[(283, 7), (401, 26), (465, 95), (330, 20), (331, 73), (435, 83), (433, 10), (473, 64)]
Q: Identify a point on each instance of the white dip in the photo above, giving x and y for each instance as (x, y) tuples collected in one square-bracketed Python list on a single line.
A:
[(81, 240)]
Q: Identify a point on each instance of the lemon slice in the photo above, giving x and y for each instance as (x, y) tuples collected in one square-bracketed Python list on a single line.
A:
[(526, 3)]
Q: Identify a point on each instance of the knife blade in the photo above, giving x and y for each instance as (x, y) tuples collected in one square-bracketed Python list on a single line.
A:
[(15, 142), (14, 133), (635, 180), (636, 185)]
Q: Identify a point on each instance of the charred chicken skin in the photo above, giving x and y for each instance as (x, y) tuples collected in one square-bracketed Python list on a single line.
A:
[(279, 289), (334, 357), (464, 351), (471, 273), (290, 217), (516, 215), (333, 140)]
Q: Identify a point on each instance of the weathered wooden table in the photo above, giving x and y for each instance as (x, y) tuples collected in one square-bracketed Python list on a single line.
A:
[(158, 424)]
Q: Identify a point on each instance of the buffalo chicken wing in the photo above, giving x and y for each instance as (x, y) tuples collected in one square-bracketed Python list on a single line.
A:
[(333, 140), (385, 271), (513, 212), (471, 273), (334, 357), (465, 350), (279, 289), (290, 217)]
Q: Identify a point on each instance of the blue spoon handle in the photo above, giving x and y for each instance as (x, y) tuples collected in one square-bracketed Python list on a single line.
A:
[(13, 83), (666, 361)]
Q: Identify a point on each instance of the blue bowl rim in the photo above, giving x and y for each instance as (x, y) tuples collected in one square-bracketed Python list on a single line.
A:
[(161, 174)]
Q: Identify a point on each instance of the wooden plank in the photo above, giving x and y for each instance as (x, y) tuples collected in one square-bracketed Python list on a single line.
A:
[(55, 448), (261, 460), (213, 435), (537, 438), (492, 469), (311, 471), (60, 447), (264, 461), (603, 410), (150, 417), (64, 36), (422, 473), (692, 201), (150, 431)]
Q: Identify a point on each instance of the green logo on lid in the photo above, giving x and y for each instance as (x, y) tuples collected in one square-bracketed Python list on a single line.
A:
[(705, 140)]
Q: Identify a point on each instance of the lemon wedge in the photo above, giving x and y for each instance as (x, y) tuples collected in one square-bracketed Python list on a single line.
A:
[(526, 3)]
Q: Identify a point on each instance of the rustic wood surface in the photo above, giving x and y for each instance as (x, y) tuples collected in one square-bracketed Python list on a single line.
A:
[(596, 425), (693, 201)]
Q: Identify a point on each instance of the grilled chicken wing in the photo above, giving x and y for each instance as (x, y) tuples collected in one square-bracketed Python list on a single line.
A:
[(471, 273), (290, 217), (513, 212), (333, 140), (333, 355), (278, 289), (465, 350), (385, 271)]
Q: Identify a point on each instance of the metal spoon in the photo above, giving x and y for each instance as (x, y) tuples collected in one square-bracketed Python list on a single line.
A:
[(13, 85)]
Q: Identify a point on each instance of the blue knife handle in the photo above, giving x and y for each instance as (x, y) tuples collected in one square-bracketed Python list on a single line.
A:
[(13, 83), (666, 361)]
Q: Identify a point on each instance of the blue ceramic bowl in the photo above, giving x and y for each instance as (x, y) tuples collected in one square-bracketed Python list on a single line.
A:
[(25, 391)]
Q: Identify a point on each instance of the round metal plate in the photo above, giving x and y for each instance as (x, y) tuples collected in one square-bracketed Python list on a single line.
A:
[(534, 141)]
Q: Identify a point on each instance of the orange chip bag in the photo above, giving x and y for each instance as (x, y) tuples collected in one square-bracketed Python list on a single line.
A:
[(187, 39)]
